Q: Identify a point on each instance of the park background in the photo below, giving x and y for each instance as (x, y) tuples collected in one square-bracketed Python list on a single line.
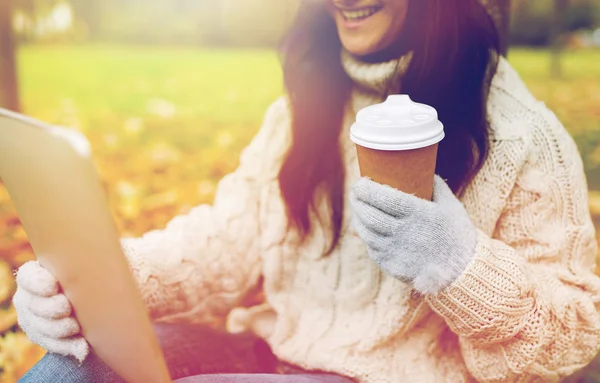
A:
[(170, 91)]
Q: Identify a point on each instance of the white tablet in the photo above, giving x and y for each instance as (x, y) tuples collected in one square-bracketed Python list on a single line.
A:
[(58, 195)]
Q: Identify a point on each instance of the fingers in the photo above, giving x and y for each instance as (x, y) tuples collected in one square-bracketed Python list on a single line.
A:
[(54, 307), (45, 315), (373, 240), (37, 280), (372, 225), (62, 336), (388, 199), (441, 191), (58, 328), (372, 218), (52, 323), (61, 328)]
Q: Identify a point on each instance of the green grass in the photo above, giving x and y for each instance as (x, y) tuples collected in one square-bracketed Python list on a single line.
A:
[(186, 97), (216, 93), (577, 64), (233, 86), (227, 86)]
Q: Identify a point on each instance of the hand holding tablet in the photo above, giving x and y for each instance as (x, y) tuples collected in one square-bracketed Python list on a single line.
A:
[(58, 196)]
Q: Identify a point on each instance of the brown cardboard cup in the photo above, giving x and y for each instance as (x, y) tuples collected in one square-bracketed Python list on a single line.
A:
[(411, 171), (397, 144)]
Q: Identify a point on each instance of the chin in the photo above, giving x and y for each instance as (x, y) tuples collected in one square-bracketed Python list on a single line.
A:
[(359, 48), (360, 51)]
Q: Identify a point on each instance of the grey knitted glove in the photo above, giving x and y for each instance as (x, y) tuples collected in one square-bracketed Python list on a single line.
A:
[(427, 244)]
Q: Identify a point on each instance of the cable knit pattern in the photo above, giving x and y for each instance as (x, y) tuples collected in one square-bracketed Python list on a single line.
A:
[(185, 271), (528, 304), (524, 310)]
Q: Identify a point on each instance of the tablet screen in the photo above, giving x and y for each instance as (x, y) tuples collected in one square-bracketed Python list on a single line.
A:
[(58, 195)]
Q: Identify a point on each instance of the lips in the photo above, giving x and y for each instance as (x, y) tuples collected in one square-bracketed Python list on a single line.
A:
[(359, 14)]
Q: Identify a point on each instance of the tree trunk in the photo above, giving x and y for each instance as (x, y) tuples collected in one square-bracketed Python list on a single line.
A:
[(9, 91), (560, 8), (504, 9), (500, 10)]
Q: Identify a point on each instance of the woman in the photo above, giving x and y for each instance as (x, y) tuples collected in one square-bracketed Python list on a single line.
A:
[(491, 281)]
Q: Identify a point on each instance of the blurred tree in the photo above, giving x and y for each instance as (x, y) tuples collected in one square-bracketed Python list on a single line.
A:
[(210, 22), (558, 27), (257, 23), (534, 20), (89, 13), (33, 11), (9, 91), (583, 14), (504, 9), (531, 23), (35, 8), (500, 10)]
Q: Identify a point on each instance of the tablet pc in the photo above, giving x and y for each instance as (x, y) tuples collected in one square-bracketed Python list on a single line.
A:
[(58, 195)]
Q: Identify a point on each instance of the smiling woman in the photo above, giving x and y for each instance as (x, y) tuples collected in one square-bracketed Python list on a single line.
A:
[(505, 247), (368, 26), (446, 62)]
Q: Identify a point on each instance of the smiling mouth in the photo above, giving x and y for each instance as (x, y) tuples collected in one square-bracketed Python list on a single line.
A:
[(359, 14)]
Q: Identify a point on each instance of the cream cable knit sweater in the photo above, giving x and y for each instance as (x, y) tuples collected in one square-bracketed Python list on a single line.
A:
[(526, 308)]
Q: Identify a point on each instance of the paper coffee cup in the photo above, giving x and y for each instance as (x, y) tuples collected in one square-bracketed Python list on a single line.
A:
[(396, 143)]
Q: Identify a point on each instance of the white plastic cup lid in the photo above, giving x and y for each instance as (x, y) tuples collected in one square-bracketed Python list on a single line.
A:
[(399, 123)]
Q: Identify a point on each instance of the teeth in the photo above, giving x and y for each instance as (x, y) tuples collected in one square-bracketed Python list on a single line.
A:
[(359, 14)]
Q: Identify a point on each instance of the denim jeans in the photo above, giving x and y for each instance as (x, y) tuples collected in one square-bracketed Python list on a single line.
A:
[(194, 354)]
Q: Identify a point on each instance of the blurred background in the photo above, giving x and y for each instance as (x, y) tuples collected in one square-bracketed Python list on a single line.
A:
[(170, 91)]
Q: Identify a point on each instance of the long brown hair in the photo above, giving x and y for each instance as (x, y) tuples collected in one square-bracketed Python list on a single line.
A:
[(454, 44)]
